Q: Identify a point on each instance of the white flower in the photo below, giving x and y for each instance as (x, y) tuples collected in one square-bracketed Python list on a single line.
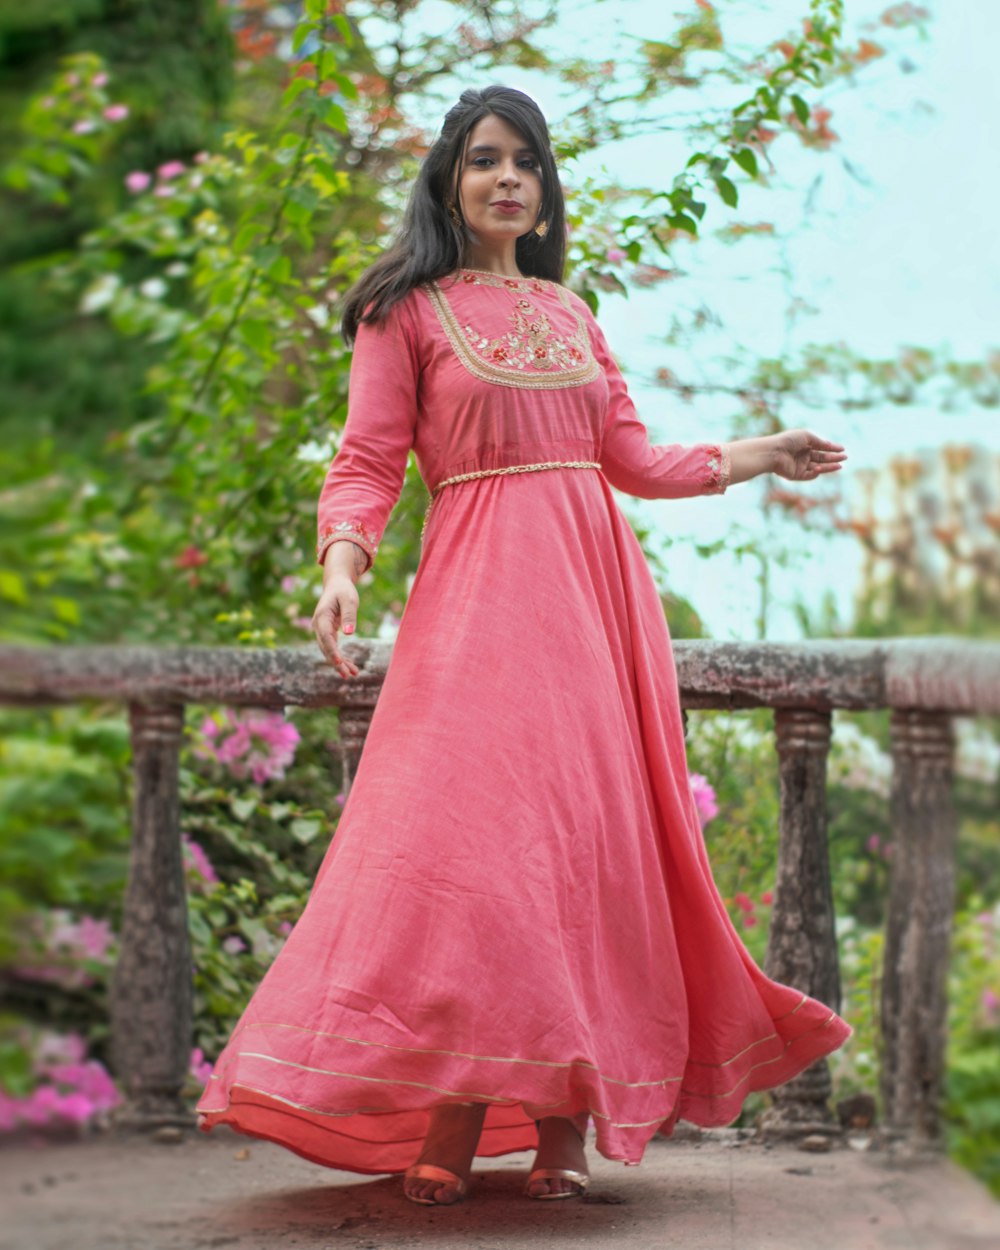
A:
[(977, 752), (153, 288), (100, 293), (319, 314), (857, 761), (314, 452)]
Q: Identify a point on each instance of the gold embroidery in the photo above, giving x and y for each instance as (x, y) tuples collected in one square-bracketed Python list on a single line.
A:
[(511, 468), (530, 356), (721, 466), (356, 531)]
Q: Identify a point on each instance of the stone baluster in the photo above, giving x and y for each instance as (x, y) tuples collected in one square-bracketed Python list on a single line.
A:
[(802, 942), (355, 718), (151, 994), (918, 926)]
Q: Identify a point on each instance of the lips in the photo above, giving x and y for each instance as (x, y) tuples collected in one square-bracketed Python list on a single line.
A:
[(508, 206)]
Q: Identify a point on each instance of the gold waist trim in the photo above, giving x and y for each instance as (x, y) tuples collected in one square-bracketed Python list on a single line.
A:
[(510, 468)]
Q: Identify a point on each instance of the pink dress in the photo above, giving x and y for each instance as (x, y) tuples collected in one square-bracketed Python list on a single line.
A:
[(517, 907)]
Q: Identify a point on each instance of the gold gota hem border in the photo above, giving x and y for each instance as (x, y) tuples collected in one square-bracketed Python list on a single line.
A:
[(494, 1099), (542, 1063), (497, 374)]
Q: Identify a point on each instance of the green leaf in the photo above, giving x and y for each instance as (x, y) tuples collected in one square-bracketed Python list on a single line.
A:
[(681, 221), (256, 334), (336, 118), (801, 109), (243, 809), (728, 191), (305, 831), (12, 587), (293, 92), (747, 160), (302, 33)]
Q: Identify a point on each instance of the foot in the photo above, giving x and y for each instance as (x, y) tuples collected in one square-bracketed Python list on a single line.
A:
[(450, 1143), (560, 1145)]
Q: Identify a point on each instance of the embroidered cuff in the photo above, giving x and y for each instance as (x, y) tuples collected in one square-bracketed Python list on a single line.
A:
[(720, 468), (352, 531)]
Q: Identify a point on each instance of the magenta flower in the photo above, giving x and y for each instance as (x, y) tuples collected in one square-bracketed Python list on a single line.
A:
[(615, 255), (198, 861), (200, 1067), (744, 902), (704, 798), (171, 169), (138, 181), (116, 112), (260, 745)]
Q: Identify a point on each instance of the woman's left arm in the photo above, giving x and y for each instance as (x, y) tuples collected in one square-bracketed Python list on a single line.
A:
[(632, 463)]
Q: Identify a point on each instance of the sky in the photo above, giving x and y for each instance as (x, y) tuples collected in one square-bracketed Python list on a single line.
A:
[(890, 240)]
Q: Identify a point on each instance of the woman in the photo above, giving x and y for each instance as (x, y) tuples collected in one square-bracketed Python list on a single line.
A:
[(515, 928)]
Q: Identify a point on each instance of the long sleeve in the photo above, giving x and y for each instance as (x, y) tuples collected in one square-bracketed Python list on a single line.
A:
[(633, 464), (365, 478)]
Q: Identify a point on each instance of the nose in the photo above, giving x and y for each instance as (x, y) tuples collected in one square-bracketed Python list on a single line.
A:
[(509, 175)]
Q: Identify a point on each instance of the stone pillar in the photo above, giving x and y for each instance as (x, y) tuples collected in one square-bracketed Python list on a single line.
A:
[(802, 942), (151, 994), (355, 718), (918, 926)]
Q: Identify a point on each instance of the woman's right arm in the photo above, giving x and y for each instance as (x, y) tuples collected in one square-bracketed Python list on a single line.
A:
[(364, 481)]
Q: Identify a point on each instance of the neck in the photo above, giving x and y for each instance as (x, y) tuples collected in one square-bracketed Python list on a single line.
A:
[(500, 259)]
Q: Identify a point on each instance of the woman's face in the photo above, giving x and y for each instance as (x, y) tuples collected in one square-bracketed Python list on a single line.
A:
[(498, 182)]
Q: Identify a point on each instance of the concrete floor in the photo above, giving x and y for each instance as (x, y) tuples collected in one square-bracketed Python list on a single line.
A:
[(722, 1191)]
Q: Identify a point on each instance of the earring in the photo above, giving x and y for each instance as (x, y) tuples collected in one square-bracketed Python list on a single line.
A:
[(453, 214), (542, 229)]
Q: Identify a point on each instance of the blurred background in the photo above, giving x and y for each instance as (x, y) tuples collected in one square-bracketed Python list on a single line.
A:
[(782, 216)]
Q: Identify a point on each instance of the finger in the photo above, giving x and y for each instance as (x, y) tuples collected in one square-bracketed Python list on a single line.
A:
[(325, 626), (824, 443)]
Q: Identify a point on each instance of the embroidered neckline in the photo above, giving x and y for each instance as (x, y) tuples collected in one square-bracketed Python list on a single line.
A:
[(532, 352), (486, 277)]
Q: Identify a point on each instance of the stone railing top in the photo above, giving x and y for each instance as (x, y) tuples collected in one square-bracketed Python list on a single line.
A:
[(946, 674)]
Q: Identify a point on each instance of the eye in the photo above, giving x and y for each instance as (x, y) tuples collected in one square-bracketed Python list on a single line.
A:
[(529, 162), (480, 159)]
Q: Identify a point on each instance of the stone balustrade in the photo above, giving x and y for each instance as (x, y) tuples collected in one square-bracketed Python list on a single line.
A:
[(925, 683)]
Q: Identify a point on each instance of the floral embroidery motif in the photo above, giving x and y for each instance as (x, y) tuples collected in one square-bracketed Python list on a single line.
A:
[(532, 353), (356, 531), (720, 467)]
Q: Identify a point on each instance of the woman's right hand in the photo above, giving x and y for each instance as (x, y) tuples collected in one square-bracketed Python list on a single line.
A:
[(337, 608)]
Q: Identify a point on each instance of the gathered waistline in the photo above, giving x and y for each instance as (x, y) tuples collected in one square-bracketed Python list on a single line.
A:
[(510, 468)]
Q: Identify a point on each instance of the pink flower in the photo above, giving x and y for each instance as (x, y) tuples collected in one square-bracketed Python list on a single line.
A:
[(285, 927), (137, 181), (767, 898), (233, 945), (8, 1112), (116, 112), (198, 861), (990, 1001), (84, 126), (200, 158), (77, 1108), (200, 1068), (171, 169), (99, 80), (290, 584), (94, 936), (52, 1048), (749, 921), (744, 902), (257, 744), (615, 255), (163, 190), (41, 1106), (704, 798), (872, 845)]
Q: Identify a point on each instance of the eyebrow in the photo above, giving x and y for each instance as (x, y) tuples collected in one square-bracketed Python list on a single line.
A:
[(489, 147)]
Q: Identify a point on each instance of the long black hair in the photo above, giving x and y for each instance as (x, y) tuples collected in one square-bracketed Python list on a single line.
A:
[(429, 244)]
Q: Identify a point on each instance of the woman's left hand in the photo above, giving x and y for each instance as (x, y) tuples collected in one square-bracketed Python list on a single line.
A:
[(801, 455)]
